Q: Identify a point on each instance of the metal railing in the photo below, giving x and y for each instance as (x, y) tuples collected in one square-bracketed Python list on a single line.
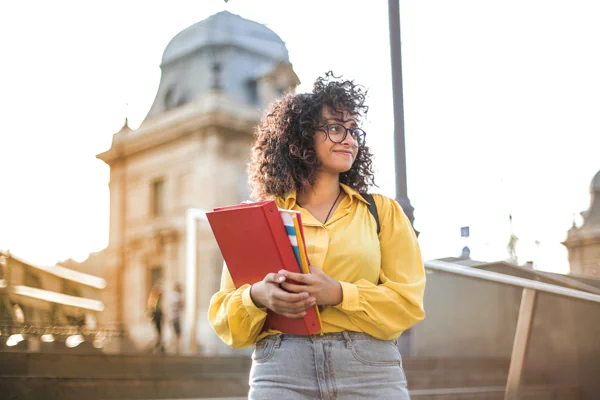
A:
[(526, 311), (71, 335)]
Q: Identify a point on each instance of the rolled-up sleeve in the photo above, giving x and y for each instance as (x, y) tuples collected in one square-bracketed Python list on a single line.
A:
[(387, 309), (233, 315)]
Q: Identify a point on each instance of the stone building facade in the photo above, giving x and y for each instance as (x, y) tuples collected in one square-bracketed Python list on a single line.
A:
[(583, 242), (190, 152)]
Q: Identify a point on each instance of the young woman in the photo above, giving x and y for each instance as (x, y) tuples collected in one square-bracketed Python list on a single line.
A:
[(310, 155)]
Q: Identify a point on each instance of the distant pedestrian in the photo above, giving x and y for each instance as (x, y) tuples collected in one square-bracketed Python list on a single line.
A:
[(155, 309), (177, 306)]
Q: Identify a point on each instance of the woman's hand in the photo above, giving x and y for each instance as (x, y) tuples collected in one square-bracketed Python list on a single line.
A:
[(326, 290), (267, 293)]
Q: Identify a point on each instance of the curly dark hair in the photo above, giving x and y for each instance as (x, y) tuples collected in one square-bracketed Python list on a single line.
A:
[(283, 155)]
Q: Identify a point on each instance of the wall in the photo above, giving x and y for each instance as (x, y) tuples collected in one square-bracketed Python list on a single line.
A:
[(466, 318), (203, 168), (473, 318)]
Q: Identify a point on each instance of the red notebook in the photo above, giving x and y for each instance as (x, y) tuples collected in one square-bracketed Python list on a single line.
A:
[(254, 242)]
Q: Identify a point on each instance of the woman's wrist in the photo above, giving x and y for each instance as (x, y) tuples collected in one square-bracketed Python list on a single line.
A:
[(338, 294), (255, 291)]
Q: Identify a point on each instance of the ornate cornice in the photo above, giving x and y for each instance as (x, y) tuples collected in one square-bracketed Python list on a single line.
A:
[(582, 237), (155, 241), (212, 110)]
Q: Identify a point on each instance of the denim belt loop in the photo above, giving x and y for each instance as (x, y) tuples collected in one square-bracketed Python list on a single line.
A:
[(347, 339), (277, 341)]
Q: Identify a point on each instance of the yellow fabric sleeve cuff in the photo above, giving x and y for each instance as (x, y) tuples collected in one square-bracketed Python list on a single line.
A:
[(351, 297), (249, 305)]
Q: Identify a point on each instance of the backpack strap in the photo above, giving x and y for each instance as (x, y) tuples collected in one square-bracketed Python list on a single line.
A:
[(373, 210)]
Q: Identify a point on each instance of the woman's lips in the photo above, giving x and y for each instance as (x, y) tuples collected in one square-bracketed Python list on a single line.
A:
[(347, 153)]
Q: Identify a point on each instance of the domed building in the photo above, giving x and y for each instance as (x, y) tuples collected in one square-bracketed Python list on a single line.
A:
[(189, 154), (583, 242), (225, 52)]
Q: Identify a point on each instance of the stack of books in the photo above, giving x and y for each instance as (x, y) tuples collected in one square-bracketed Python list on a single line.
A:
[(256, 239)]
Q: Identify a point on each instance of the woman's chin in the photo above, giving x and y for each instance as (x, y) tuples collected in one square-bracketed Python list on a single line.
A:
[(342, 169), (347, 166), (337, 168)]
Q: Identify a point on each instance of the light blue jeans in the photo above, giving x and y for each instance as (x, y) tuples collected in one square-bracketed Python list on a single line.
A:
[(347, 365)]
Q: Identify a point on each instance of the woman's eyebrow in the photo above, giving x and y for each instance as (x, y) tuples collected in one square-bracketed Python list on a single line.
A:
[(351, 120)]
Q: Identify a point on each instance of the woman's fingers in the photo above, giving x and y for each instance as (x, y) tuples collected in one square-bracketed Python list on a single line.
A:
[(293, 307), (291, 287), (290, 303), (274, 278), (299, 305), (284, 296), (302, 278)]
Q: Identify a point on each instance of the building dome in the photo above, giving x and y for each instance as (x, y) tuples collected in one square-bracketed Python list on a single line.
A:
[(224, 52), (226, 29), (595, 187), (591, 217)]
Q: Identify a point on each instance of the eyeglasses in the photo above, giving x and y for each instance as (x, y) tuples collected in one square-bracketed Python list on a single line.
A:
[(337, 133)]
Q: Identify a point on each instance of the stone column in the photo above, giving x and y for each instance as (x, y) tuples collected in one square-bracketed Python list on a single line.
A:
[(138, 291), (135, 297), (170, 241), (129, 281)]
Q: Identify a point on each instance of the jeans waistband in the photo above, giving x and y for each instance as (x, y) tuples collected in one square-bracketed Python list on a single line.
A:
[(346, 335)]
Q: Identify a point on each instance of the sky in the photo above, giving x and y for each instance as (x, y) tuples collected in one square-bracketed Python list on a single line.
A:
[(501, 110)]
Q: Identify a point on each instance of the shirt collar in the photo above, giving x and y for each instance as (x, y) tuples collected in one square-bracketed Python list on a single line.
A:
[(353, 193), (289, 200)]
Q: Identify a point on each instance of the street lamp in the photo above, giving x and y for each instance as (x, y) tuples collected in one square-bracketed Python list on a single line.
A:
[(398, 100), (14, 340), (47, 337), (74, 340)]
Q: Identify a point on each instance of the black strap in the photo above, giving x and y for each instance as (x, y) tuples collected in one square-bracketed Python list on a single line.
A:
[(373, 210)]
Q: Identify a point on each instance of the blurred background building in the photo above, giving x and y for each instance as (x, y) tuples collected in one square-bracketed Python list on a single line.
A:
[(584, 242), (42, 306), (191, 151)]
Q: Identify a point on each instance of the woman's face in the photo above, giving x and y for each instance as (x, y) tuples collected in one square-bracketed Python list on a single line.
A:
[(335, 157)]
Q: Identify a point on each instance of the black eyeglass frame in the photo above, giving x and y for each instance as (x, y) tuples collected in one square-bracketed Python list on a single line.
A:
[(362, 133)]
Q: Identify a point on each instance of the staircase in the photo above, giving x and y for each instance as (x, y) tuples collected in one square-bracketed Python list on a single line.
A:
[(474, 378), (101, 376)]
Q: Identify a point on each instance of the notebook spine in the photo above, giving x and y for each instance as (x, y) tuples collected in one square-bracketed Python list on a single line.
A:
[(311, 320), (280, 237)]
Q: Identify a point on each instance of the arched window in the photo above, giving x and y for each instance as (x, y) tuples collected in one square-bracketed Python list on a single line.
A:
[(253, 92)]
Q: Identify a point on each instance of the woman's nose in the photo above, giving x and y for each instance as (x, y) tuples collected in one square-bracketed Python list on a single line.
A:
[(349, 140)]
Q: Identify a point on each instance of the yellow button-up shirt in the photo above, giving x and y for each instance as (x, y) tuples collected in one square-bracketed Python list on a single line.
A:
[(382, 278)]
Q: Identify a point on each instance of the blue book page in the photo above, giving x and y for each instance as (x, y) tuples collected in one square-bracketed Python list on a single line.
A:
[(288, 223)]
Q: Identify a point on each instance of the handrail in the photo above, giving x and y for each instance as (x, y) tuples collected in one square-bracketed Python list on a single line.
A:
[(62, 272), (471, 272), (58, 298)]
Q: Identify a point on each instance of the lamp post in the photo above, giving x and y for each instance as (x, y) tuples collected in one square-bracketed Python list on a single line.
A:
[(398, 101)]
